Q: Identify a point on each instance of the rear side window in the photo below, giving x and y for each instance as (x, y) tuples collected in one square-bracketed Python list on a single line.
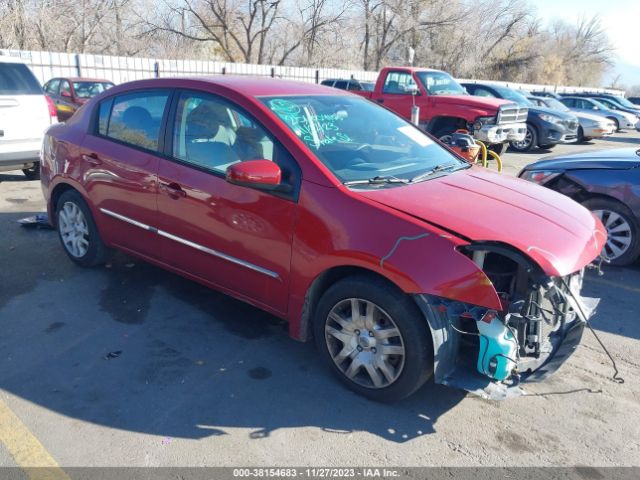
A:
[(341, 84), (134, 118), (52, 86), (17, 79)]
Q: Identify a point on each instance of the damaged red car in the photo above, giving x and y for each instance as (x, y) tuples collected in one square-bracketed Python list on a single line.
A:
[(399, 259)]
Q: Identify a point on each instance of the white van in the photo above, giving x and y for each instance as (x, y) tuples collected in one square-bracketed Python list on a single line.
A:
[(25, 114)]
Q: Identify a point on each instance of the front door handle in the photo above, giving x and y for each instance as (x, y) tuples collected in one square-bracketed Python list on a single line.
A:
[(92, 158), (173, 190)]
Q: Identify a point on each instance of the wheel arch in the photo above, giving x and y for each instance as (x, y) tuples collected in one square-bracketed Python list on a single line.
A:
[(56, 193), (321, 284)]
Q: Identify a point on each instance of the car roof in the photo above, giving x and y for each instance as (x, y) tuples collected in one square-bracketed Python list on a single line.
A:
[(243, 85), (81, 79)]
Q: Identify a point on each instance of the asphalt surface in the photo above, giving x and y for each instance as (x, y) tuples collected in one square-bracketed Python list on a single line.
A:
[(128, 365)]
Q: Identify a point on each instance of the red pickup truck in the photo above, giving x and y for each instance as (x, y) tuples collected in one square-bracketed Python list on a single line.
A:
[(445, 106)]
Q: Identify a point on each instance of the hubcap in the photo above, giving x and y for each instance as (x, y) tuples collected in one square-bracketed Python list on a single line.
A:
[(528, 138), (619, 233), (364, 343), (73, 230)]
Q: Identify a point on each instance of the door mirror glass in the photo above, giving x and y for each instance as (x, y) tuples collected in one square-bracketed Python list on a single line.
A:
[(260, 174)]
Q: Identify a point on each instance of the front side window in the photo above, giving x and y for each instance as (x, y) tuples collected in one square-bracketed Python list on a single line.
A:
[(65, 87), (401, 83), (212, 134), (360, 141), (134, 118), (440, 83)]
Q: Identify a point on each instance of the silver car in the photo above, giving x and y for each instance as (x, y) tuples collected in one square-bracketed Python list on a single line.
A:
[(591, 126), (589, 105)]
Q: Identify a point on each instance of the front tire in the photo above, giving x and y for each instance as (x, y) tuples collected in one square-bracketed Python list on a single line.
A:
[(615, 122), (530, 140), (78, 232), (374, 338), (623, 230)]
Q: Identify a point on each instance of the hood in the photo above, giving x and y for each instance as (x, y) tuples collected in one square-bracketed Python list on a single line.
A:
[(553, 230), (618, 159), (480, 103), (550, 111), (591, 117)]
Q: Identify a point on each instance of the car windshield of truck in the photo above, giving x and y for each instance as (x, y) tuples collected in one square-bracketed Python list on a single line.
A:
[(624, 102), (508, 94), (361, 143), (556, 105), (90, 89), (440, 83)]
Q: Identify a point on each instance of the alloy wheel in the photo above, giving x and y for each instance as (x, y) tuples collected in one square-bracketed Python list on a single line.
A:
[(365, 343), (525, 143), (619, 233), (74, 230)]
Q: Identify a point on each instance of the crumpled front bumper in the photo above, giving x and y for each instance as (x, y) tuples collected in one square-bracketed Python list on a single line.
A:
[(509, 132), (451, 369)]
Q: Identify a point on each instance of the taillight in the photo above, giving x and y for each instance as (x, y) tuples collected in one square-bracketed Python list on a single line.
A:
[(53, 113)]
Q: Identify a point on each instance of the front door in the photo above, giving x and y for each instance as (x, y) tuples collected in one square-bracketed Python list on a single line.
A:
[(397, 92), (236, 238)]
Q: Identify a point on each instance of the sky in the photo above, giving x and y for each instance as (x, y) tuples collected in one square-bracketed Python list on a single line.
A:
[(621, 20)]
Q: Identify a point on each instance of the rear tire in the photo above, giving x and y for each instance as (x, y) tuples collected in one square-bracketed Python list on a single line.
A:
[(623, 230), (615, 122), (32, 173), (581, 135), (78, 232), (383, 351)]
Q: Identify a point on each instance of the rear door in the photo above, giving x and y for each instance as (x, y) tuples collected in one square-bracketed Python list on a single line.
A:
[(235, 237), (64, 101), (120, 167), (24, 113)]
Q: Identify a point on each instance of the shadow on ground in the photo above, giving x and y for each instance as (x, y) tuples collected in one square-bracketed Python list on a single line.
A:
[(133, 347)]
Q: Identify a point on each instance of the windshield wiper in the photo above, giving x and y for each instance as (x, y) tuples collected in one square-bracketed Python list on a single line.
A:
[(436, 169), (377, 180)]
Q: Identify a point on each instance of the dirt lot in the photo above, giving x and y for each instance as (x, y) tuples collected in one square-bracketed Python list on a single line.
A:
[(201, 379)]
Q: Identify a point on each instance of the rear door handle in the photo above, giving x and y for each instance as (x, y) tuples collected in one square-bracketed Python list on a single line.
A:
[(92, 158), (173, 190)]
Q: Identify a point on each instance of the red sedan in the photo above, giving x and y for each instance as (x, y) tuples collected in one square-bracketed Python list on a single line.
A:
[(401, 260)]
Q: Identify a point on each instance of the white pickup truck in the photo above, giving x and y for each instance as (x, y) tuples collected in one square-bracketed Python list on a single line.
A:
[(25, 114)]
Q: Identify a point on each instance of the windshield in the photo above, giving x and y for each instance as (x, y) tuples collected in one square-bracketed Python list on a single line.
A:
[(440, 83), (508, 94), (625, 103), (90, 89), (359, 141), (556, 105)]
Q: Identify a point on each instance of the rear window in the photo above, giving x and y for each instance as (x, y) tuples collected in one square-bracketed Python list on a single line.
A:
[(17, 79)]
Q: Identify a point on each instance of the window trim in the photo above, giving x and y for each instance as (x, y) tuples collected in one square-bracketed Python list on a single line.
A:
[(94, 124), (167, 154)]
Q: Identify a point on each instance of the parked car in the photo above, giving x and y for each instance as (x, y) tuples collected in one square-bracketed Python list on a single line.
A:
[(607, 182), (546, 94), (25, 113), (635, 100), (617, 100), (545, 127), (591, 126), (590, 105), (445, 106), (335, 214), (349, 84), (69, 94), (614, 106)]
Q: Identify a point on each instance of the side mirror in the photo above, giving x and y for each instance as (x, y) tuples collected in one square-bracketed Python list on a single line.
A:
[(259, 174), (65, 93), (411, 89)]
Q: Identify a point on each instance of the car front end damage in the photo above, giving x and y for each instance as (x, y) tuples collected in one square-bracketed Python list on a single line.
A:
[(491, 353), (509, 125)]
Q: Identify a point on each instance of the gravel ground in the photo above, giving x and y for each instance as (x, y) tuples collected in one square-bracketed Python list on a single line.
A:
[(201, 379)]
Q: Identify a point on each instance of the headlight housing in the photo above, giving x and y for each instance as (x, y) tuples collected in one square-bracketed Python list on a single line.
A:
[(540, 177), (550, 118), (481, 121)]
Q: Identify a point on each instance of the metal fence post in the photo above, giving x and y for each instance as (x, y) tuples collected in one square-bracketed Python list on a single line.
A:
[(317, 76), (156, 69), (224, 70), (273, 72), (78, 67)]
